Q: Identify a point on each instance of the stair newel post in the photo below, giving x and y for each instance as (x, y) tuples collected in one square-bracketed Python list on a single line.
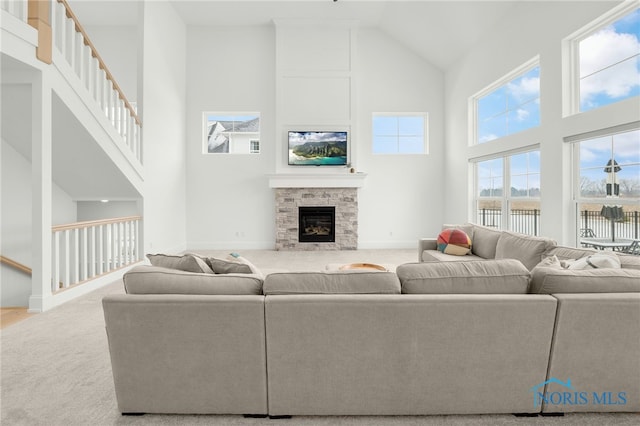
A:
[(38, 18)]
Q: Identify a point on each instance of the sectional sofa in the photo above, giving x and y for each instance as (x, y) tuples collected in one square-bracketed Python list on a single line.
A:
[(435, 337)]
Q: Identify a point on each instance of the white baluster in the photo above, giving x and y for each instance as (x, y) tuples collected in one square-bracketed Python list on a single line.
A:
[(56, 262), (70, 41), (96, 83), (136, 241), (58, 18), (79, 58), (76, 256), (101, 259), (67, 269), (92, 253), (83, 255)]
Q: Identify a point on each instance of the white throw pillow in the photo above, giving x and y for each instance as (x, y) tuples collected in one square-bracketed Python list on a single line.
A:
[(595, 261)]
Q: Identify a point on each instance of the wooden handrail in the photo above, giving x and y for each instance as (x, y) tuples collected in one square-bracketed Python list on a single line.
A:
[(90, 223), (102, 65), (17, 265)]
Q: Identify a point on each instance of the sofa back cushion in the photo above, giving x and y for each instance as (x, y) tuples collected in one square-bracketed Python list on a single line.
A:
[(570, 253), (525, 248), (145, 279), (331, 282), (188, 262), (507, 276), (551, 280), (484, 241)]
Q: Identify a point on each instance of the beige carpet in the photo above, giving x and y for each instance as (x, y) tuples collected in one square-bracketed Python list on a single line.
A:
[(55, 367)]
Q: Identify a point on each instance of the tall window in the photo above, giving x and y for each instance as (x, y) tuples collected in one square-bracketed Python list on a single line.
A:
[(517, 209), (230, 133), (609, 62), (510, 105), (608, 185), (400, 133)]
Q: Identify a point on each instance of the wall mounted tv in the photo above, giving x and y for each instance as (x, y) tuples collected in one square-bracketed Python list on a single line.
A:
[(317, 148)]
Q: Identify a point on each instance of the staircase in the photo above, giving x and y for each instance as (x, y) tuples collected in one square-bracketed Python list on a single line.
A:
[(72, 121)]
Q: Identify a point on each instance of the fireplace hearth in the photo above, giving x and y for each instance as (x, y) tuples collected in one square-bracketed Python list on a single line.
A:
[(317, 224)]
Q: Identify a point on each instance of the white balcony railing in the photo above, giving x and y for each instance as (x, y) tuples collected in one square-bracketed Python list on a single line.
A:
[(85, 250), (74, 45), (17, 8)]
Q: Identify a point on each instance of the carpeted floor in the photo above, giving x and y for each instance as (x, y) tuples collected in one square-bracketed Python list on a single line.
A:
[(55, 367)]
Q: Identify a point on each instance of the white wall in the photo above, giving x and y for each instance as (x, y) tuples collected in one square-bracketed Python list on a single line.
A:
[(530, 29), (96, 210), (163, 120), (229, 203), (402, 197), (118, 47), (17, 223)]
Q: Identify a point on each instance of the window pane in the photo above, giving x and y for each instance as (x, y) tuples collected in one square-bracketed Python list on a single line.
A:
[(411, 126), (490, 213), (492, 128), (410, 145), (524, 217), (385, 144), (399, 134), (609, 63), (511, 108), (383, 125), (232, 133), (524, 117), (492, 104)]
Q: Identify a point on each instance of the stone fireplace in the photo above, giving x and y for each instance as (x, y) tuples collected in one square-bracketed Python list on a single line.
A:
[(288, 223)]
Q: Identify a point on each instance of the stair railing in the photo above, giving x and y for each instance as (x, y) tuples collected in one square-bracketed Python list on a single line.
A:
[(72, 41), (15, 265), (84, 250)]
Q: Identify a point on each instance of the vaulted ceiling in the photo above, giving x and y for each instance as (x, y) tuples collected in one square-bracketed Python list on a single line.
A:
[(439, 30)]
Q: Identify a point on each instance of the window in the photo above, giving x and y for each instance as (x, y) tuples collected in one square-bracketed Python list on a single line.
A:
[(609, 61), (231, 133), (508, 106), (607, 187), (517, 209), (400, 133)]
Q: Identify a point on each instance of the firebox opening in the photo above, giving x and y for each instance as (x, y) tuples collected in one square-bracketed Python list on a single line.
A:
[(317, 224)]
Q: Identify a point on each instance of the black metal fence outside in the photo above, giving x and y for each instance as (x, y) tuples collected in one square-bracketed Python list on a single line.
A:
[(528, 222)]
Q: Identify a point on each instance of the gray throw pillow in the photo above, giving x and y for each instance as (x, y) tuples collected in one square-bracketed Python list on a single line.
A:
[(221, 266), (187, 262), (526, 248)]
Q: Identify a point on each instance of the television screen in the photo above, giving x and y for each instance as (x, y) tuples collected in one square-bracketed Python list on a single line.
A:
[(317, 148)]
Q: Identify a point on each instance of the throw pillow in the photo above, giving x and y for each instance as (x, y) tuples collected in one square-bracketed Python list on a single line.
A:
[(221, 266), (240, 259), (454, 241), (595, 261), (187, 262), (550, 262)]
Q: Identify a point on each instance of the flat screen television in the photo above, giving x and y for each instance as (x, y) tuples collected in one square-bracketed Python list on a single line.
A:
[(317, 148)]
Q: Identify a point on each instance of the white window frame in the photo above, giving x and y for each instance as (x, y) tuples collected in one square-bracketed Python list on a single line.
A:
[(506, 79), (204, 126), (571, 55), (506, 200), (425, 130), (576, 196)]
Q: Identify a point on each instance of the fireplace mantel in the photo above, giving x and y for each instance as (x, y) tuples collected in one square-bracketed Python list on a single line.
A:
[(307, 180)]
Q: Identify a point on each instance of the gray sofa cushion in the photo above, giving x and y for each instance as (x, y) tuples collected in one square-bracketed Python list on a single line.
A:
[(438, 256), (145, 279), (484, 241), (525, 248), (331, 282), (187, 262), (507, 276), (551, 280)]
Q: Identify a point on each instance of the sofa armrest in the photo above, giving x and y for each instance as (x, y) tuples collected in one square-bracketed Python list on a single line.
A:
[(426, 244)]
